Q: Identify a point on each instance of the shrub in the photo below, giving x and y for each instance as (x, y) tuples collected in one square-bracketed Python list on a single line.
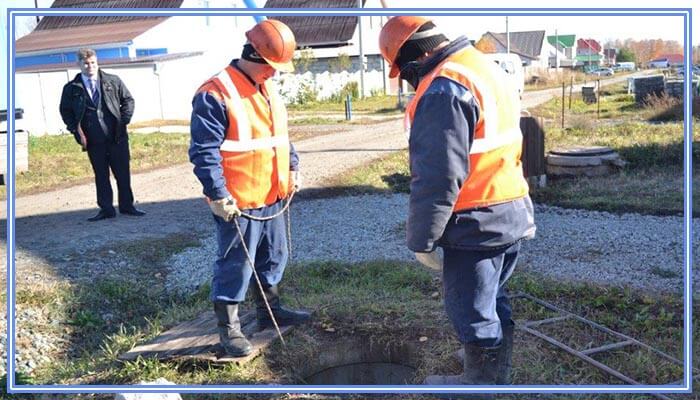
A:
[(307, 94), (351, 88), (663, 108)]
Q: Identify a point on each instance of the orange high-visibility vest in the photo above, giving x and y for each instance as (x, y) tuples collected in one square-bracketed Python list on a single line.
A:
[(255, 152), (496, 174)]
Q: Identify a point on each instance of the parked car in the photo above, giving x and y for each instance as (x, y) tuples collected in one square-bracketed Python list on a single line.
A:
[(603, 72), (624, 66)]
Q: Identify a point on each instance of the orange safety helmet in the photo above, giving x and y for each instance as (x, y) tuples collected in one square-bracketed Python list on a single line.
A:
[(394, 34), (274, 42)]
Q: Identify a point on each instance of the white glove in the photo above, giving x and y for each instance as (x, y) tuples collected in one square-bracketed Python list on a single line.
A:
[(297, 180), (225, 208), (431, 260)]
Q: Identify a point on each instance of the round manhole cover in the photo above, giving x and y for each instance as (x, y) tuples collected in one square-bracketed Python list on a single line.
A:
[(582, 151)]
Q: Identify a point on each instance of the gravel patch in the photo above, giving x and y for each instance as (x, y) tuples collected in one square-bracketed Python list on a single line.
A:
[(644, 252)]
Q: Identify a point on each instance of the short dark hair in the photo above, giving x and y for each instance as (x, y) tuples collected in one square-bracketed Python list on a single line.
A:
[(85, 53)]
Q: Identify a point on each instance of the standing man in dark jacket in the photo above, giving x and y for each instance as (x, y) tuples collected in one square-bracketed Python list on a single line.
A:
[(96, 108), (468, 193)]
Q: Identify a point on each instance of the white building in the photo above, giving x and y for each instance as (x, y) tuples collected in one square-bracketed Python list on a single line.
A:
[(162, 60)]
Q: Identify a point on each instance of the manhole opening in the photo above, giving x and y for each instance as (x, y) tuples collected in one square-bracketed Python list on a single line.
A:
[(354, 361)]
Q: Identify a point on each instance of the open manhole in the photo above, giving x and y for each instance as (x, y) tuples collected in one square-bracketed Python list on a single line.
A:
[(357, 361)]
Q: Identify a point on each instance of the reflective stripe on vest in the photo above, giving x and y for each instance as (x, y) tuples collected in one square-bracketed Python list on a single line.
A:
[(494, 155), (244, 131)]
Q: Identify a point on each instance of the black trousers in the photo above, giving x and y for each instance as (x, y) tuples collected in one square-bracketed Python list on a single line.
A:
[(115, 156)]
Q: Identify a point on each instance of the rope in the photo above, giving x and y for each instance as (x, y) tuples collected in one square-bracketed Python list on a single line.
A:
[(250, 259), (257, 280), (286, 206)]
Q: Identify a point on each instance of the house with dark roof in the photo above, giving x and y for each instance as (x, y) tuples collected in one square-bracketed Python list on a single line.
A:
[(531, 46), (610, 56), (128, 38)]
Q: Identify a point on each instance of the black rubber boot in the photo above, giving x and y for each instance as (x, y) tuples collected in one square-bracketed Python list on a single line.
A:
[(505, 354), (480, 367), (231, 338), (283, 316)]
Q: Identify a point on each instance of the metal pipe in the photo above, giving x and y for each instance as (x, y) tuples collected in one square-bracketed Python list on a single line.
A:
[(507, 37), (602, 328), (251, 4), (362, 53), (599, 365)]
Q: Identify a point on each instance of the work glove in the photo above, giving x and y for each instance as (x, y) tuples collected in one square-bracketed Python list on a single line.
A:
[(431, 260), (296, 180), (225, 208)]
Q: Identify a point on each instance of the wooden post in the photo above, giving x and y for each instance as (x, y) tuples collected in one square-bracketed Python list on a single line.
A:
[(598, 99), (563, 98), (571, 89)]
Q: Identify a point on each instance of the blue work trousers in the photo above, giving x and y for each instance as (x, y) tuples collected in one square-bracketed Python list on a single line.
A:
[(267, 244), (475, 297)]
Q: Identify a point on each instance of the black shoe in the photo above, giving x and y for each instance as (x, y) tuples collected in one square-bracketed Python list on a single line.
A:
[(102, 215), (283, 316), (133, 211), (232, 340)]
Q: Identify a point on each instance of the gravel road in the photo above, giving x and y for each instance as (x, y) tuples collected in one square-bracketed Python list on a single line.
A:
[(642, 252)]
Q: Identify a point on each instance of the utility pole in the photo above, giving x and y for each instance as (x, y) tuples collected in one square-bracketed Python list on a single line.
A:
[(507, 37), (556, 49), (36, 5), (362, 53)]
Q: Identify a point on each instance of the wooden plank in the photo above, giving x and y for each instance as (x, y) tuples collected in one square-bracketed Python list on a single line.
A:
[(532, 156), (198, 339)]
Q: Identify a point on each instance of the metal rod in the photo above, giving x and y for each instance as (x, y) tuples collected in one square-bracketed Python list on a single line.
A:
[(619, 375), (362, 52), (598, 99), (571, 89), (563, 99), (601, 327), (607, 347), (546, 321), (257, 280)]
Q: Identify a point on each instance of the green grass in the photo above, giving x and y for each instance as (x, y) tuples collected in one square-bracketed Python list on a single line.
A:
[(57, 161), (383, 302), (614, 103), (373, 104)]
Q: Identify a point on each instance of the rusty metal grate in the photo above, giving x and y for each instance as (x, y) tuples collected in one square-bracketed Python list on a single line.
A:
[(585, 355)]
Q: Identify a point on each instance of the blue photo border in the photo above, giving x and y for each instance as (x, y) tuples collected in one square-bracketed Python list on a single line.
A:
[(685, 387)]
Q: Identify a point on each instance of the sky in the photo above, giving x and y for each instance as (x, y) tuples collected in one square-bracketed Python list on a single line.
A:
[(601, 28)]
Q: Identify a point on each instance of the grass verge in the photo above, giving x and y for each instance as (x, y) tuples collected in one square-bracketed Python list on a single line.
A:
[(57, 161), (382, 302), (373, 104)]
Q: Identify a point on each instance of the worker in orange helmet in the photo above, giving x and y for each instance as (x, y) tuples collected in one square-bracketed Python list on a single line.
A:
[(468, 194), (242, 156)]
